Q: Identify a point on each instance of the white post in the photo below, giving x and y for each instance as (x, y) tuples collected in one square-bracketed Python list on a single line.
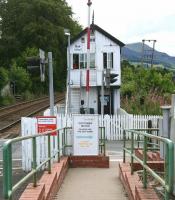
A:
[(68, 96), (69, 69), (166, 121)]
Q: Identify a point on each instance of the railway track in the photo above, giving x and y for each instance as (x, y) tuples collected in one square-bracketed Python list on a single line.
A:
[(10, 117)]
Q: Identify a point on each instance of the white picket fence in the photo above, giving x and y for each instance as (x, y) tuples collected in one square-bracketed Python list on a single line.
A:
[(114, 126), (29, 127)]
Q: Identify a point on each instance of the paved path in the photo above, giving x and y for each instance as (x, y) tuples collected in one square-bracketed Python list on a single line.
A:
[(92, 184)]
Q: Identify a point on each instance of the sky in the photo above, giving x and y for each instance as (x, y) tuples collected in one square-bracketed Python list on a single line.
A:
[(132, 20)]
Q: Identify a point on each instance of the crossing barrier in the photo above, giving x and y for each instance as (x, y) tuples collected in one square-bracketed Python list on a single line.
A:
[(167, 181)]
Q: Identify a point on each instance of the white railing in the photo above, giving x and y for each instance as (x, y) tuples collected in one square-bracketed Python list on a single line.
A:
[(80, 75)]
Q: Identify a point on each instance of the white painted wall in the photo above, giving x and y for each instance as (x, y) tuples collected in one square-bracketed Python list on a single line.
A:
[(116, 100), (76, 97), (102, 44), (93, 98)]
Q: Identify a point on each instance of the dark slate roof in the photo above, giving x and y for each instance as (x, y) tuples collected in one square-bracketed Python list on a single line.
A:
[(97, 28)]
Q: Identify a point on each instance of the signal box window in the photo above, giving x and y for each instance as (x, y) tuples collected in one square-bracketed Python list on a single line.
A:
[(80, 61), (75, 61), (105, 60), (92, 60), (83, 61), (108, 60)]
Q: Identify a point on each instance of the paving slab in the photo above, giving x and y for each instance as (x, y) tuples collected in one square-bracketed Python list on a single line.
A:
[(92, 184)]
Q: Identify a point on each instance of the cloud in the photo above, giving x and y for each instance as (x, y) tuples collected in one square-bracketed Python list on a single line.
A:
[(127, 19)]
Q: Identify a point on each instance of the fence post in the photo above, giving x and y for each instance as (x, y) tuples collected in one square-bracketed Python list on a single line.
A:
[(34, 165), (58, 145), (7, 171), (104, 141), (132, 151), (145, 162), (124, 146), (63, 143), (101, 140), (169, 169), (49, 155)]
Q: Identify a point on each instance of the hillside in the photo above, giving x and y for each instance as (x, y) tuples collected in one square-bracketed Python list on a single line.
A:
[(132, 53)]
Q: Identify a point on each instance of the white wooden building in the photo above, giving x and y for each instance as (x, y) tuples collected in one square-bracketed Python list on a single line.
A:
[(105, 53)]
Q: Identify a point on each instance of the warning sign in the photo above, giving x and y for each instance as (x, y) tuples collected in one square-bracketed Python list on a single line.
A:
[(47, 123)]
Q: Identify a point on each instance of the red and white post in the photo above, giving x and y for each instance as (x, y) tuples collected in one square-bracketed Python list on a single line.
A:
[(88, 56)]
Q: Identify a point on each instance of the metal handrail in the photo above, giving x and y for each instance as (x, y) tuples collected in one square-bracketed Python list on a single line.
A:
[(8, 189), (167, 182), (102, 144)]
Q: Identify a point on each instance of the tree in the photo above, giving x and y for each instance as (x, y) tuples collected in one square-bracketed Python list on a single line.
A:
[(4, 77), (21, 79), (36, 24)]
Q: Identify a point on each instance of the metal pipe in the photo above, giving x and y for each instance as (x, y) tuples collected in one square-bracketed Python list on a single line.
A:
[(145, 162), (51, 90), (69, 69), (124, 146), (34, 165), (132, 151), (102, 94), (49, 155)]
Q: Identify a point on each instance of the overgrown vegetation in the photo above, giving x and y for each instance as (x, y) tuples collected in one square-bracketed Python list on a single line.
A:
[(145, 90), (26, 26)]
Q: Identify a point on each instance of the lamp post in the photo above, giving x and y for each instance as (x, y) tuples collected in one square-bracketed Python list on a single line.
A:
[(68, 96)]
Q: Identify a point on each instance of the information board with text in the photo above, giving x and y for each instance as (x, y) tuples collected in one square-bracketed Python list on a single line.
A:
[(85, 130)]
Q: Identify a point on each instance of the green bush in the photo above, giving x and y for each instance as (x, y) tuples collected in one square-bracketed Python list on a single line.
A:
[(6, 100), (21, 78), (27, 95), (143, 90), (4, 77)]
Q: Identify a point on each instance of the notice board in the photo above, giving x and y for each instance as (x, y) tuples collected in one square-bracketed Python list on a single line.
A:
[(85, 130), (46, 123)]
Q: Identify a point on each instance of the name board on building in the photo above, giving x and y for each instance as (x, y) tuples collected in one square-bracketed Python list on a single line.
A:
[(77, 47), (85, 130), (46, 123)]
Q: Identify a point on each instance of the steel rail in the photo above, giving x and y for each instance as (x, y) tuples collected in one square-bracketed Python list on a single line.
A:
[(23, 106), (18, 104), (30, 114)]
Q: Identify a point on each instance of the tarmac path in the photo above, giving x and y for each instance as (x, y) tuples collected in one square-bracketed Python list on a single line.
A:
[(92, 184)]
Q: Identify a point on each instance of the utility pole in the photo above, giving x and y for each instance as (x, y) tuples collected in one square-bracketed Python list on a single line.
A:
[(88, 57), (154, 41), (68, 96), (51, 93), (148, 55)]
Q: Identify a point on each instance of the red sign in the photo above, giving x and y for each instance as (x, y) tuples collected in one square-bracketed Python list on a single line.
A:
[(47, 123)]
